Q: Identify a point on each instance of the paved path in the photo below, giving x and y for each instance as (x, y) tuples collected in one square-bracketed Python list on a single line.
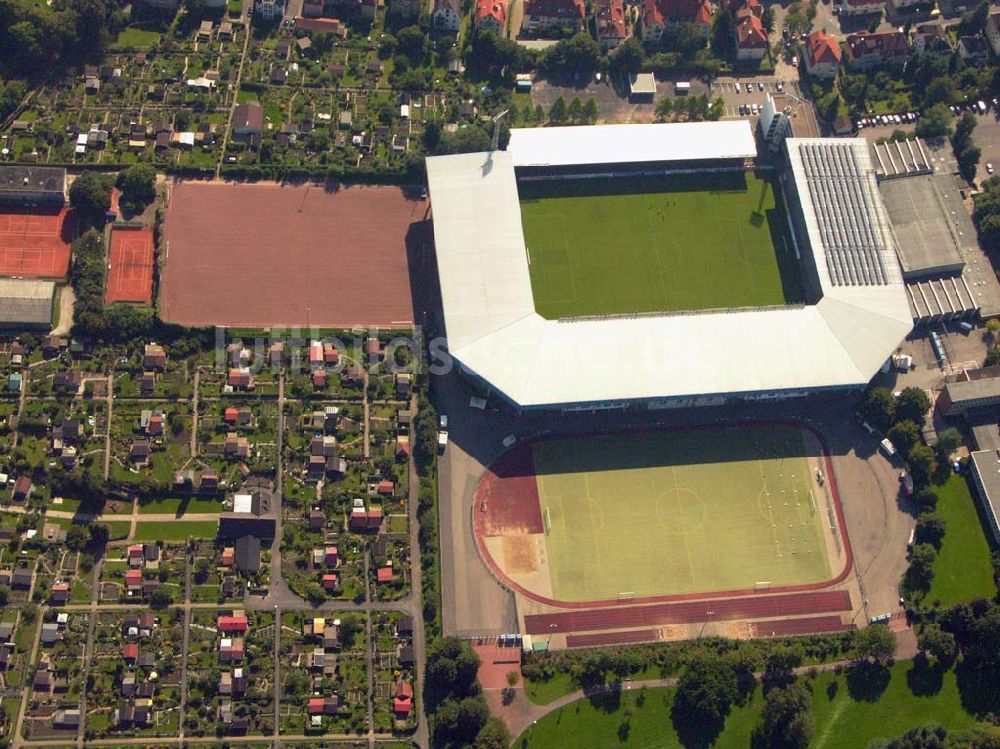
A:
[(232, 107)]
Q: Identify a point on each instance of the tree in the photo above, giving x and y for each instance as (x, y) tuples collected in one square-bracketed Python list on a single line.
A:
[(936, 122), (963, 131), (974, 21), (949, 439), (90, 194), (877, 407), (912, 404), (663, 108), (413, 43), (968, 161), (494, 735), (767, 20), (930, 529), (574, 109), (921, 464), (590, 111), (138, 186), (940, 90), (921, 570), (557, 112), (723, 35), (786, 721), (76, 538), (580, 54), (875, 643), (937, 643), (160, 598), (628, 57), (706, 692), (904, 435)]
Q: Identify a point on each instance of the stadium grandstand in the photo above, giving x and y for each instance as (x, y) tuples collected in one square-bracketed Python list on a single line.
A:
[(608, 150), (856, 309)]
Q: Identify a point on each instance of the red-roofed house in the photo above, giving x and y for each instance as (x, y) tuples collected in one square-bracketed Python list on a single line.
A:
[(362, 520), (331, 355), (609, 16), (230, 624), (331, 558), (385, 488), (491, 15), (751, 38), (660, 15), (822, 57), (546, 16), (228, 556), (131, 651), (315, 352), (403, 700), (329, 581), (231, 414), (240, 379), (155, 426), (319, 379), (135, 555), (385, 575), (866, 51), (133, 580)]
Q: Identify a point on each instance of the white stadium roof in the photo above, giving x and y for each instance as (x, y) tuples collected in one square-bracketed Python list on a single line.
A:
[(630, 144), (494, 331)]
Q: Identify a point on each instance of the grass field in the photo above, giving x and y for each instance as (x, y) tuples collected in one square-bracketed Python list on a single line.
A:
[(963, 570), (656, 245), (190, 505), (175, 531), (841, 720), (649, 513)]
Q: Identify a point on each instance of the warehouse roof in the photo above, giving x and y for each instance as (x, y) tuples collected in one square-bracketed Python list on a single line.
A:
[(630, 144), (494, 331), (31, 179), (25, 302)]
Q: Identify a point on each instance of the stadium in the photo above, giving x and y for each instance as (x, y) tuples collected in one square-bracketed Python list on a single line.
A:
[(656, 260)]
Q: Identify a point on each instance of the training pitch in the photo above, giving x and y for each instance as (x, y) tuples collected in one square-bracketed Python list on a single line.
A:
[(641, 245), (663, 513)]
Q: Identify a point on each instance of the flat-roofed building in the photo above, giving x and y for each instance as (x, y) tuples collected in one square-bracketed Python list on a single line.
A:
[(32, 185)]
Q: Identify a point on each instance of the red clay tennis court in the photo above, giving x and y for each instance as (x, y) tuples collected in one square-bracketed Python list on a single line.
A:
[(35, 243), (130, 276), (260, 255)]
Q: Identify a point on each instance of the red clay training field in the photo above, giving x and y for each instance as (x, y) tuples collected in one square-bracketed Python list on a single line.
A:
[(130, 276), (265, 255), (36, 243)]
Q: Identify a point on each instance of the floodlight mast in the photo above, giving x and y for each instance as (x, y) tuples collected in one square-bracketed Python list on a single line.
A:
[(496, 129)]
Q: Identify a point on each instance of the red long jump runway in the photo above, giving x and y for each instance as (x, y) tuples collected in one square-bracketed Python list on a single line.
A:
[(35, 243), (260, 255), (810, 626), (689, 612), (130, 276), (611, 638)]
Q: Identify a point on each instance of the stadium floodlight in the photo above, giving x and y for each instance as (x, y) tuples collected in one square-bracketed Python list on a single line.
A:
[(496, 129)]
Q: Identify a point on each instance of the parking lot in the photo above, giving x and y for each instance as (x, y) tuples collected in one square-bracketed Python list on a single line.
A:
[(744, 97)]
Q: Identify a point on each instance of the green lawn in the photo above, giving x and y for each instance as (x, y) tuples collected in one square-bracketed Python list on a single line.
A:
[(841, 720), (649, 513), (175, 531), (963, 570), (599, 247), (133, 38), (191, 505)]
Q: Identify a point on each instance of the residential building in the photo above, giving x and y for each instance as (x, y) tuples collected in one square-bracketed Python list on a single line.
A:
[(866, 51), (992, 31), (447, 15), (543, 17), (822, 55), (751, 38), (491, 15), (609, 18), (932, 39), (658, 16), (248, 120), (974, 50)]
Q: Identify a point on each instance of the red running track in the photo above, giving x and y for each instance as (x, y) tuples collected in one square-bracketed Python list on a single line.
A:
[(689, 612), (811, 626), (611, 638)]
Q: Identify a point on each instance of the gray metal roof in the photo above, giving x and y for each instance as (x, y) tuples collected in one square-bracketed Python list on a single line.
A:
[(493, 328), (25, 302)]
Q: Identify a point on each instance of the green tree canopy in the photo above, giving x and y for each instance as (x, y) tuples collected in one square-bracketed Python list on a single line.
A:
[(786, 721), (90, 194), (138, 186)]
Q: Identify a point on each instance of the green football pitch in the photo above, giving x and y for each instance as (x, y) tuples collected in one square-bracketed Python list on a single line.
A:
[(680, 512), (620, 246)]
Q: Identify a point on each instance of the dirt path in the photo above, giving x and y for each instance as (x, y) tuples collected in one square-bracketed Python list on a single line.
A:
[(67, 299)]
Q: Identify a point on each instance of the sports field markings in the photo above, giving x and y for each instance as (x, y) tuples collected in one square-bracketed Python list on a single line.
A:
[(683, 534)]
